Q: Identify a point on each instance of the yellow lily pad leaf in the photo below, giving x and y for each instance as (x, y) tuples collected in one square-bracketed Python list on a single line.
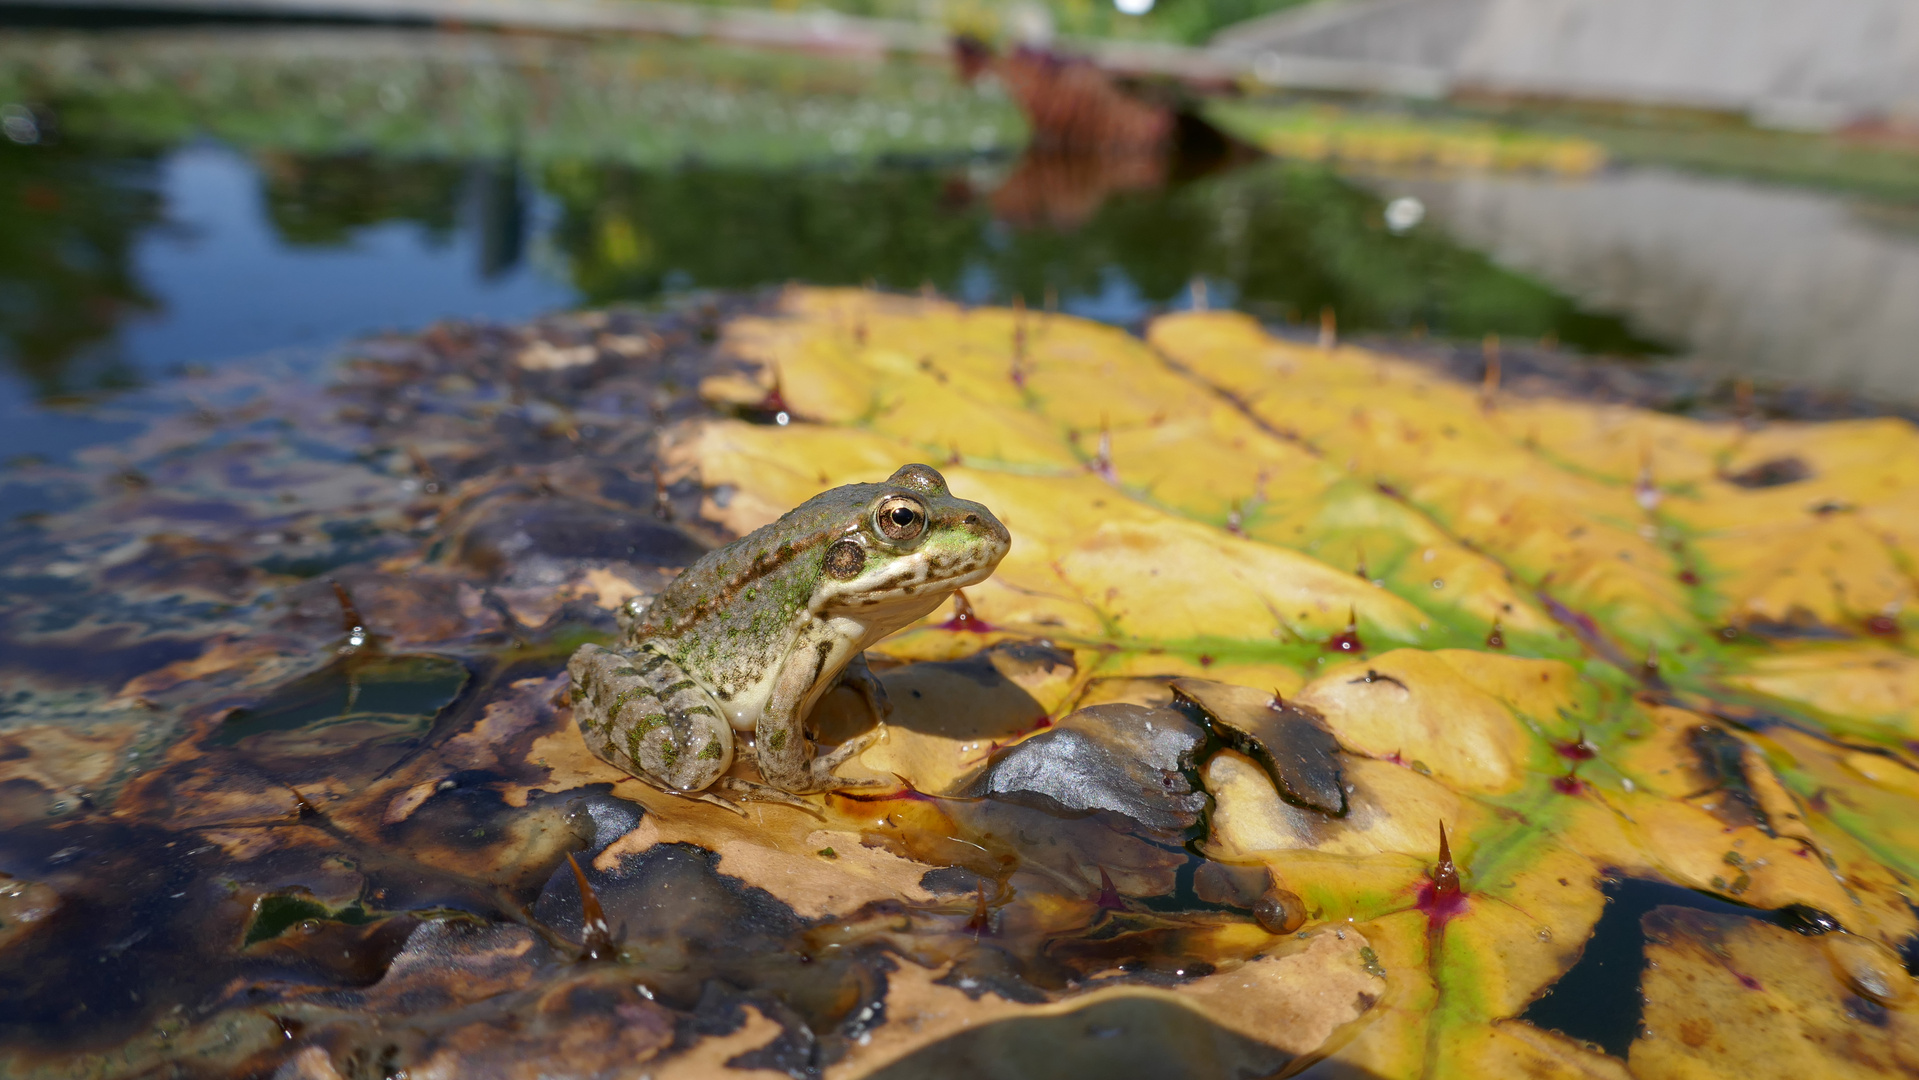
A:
[(1514, 1048), (1213, 466), (1353, 524), (1525, 917), (1730, 996), (1573, 538), (1617, 443), (1863, 811), (1414, 707), (804, 369), (1154, 690), (1275, 678), (1860, 461), (1393, 1039), (1174, 581), (1705, 809), (1580, 539), (1873, 689), (1812, 570), (1233, 347), (1392, 811)]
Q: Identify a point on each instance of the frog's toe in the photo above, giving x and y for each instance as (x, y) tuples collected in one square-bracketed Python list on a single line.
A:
[(873, 692), (824, 765), (747, 789), (822, 778), (709, 797)]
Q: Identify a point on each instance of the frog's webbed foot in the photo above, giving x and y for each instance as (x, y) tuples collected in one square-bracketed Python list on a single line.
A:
[(859, 678), (748, 790), (820, 769)]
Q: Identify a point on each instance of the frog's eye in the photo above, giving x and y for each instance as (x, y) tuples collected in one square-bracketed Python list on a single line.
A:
[(900, 518)]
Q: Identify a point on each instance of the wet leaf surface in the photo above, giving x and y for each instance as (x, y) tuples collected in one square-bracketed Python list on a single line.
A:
[(1293, 744), (1121, 759), (1724, 993), (1327, 718)]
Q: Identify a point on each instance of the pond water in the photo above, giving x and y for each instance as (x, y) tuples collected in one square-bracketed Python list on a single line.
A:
[(189, 196)]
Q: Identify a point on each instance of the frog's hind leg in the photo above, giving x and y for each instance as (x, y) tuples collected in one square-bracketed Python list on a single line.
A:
[(640, 711)]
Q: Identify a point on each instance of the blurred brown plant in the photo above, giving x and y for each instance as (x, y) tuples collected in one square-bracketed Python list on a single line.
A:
[(1072, 104)]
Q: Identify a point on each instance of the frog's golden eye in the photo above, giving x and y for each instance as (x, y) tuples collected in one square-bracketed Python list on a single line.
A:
[(900, 518)]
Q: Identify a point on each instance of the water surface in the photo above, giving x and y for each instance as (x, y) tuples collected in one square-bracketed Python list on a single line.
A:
[(186, 197)]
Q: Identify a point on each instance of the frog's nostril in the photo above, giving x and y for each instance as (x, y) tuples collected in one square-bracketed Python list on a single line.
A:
[(972, 519)]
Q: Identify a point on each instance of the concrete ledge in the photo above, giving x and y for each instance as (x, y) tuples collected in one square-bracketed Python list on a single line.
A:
[(823, 31)]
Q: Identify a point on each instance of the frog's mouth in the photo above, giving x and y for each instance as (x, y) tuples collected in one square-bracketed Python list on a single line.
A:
[(921, 580), (965, 548), (911, 585), (966, 572)]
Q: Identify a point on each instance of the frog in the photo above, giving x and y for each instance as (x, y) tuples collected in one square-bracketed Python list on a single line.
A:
[(749, 638)]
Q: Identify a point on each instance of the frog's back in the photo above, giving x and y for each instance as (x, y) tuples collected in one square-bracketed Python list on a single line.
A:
[(731, 608)]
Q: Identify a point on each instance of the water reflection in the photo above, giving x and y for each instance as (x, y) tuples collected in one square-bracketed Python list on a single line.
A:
[(321, 201), (209, 194), (67, 279), (1770, 283), (278, 251), (201, 253)]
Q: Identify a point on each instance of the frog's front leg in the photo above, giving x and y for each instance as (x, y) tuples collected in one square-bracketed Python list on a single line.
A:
[(785, 756), (860, 679), (641, 712)]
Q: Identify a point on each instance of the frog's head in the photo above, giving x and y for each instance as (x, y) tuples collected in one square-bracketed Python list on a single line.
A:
[(911, 544)]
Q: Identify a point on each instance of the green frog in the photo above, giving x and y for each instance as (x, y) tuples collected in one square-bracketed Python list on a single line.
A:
[(752, 635)]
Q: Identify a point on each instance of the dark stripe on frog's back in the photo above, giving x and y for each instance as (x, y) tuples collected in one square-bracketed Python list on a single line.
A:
[(714, 589)]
